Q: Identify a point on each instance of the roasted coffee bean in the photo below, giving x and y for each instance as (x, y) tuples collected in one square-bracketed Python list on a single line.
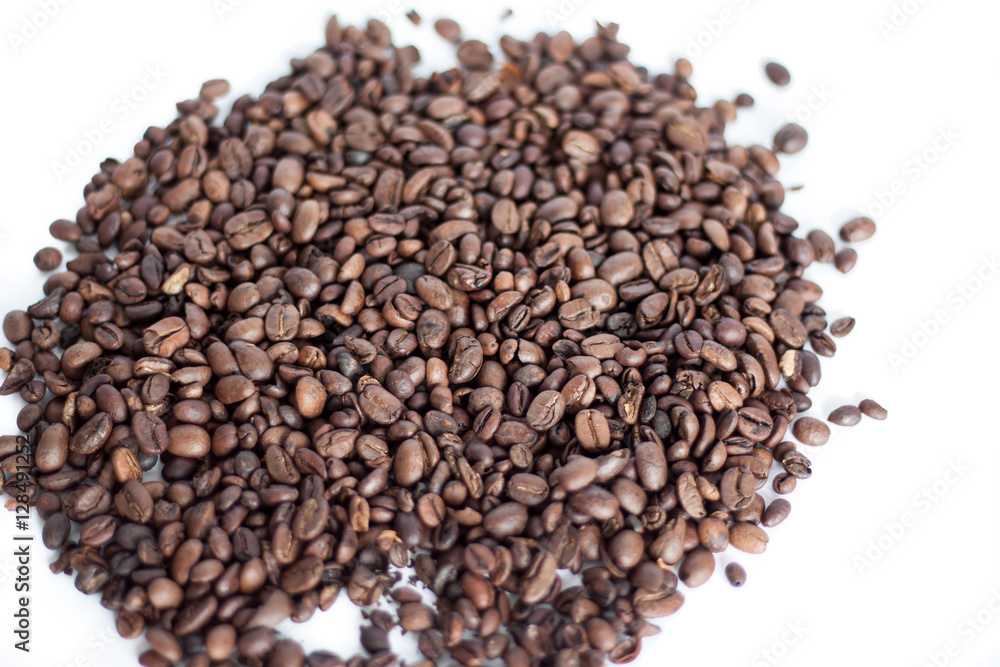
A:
[(842, 326), (448, 29), (845, 415), (871, 409), (810, 431), (134, 502), (846, 259), (48, 259), (776, 512), (748, 537), (736, 575), (777, 73), (791, 139), (857, 230)]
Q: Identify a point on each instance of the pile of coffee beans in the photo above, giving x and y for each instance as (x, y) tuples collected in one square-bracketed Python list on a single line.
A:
[(497, 324)]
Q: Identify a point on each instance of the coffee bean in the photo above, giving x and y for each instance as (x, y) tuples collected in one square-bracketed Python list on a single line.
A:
[(736, 575), (189, 441), (846, 259), (811, 431), (448, 29), (857, 229), (56, 531), (506, 520), (776, 512), (870, 408), (134, 502), (783, 483), (48, 259), (748, 538), (842, 326), (777, 73), (790, 139), (697, 567), (546, 410), (416, 617), (845, 415)]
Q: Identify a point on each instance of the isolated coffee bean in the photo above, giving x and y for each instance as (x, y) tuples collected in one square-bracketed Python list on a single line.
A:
[(736, 575), (777, 73), (871, 409)]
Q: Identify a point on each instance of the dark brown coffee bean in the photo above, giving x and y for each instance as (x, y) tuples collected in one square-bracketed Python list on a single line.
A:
[(546, 410), (48, 259), (506, 520), (56, 531), (842, 326), (134, 502)]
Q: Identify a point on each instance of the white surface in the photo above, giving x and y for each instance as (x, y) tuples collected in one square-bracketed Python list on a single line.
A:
[(889, 93)]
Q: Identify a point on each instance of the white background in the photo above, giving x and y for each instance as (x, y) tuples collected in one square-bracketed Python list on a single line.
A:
[(874, 82)]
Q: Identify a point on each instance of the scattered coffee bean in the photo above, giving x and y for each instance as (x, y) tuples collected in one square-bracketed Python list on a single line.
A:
[(790, 139), (846, 259), (448, 29), (777, 73), (845, 415), (870, 408), (842, 326), (736, 575), (48, 259), (857, 229)]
